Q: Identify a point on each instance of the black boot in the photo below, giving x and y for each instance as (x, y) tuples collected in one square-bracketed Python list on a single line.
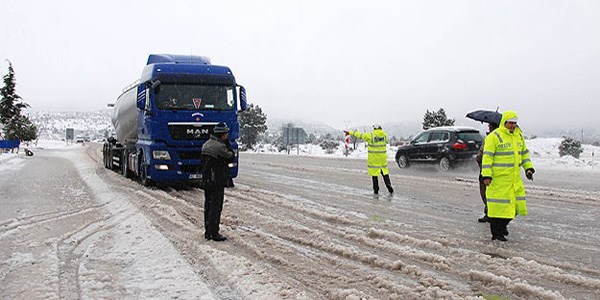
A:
[(375, 185), (218, 237), (497, 229), (388, 183), (500, 238)]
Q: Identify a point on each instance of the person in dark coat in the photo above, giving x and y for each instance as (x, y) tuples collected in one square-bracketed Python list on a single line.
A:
[(216, 155), (482, 186)]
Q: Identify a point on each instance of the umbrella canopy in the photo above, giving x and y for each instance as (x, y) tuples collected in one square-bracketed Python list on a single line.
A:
[(486, 116)]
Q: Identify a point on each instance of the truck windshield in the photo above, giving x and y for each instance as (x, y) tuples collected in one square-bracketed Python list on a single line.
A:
[(195, 97)]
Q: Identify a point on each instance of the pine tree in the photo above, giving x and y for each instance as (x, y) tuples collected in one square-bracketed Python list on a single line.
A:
[(11, 103), (15, 125), (571, 147), (20, 128), (253, 122), (428, 119), (436, 119)]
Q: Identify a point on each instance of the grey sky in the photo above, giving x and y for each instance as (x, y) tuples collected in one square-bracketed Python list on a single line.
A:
[(340, 62)]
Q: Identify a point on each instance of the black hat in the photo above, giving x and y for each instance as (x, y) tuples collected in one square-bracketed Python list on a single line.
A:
[(221, 128)]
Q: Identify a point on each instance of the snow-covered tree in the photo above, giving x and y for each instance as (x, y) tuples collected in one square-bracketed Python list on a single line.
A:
[(20, 128), (435, 119), (16, 125), (10, 103), (253, 122), (571, 147)]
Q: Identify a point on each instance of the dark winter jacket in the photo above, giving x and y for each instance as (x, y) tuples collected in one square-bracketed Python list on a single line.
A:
[(216, 156)]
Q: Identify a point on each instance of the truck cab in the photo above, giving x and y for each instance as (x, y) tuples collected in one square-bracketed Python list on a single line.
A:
[(178, 101)]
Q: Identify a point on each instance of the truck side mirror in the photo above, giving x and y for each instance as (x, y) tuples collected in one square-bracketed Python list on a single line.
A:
[(156, 86), (243, 101)]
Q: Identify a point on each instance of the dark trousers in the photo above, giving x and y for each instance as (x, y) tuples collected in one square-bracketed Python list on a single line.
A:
[(213, 205), (498, 226), (482, 189), (386, 179)]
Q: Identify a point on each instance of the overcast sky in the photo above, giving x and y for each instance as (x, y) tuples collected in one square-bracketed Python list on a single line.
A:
[(340, 62)]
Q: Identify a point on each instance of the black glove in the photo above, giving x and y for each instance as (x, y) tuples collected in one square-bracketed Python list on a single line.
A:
[(486, 178), (529, 173)]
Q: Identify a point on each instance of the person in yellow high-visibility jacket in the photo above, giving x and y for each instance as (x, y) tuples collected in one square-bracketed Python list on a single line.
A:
[(377, 158), (504, 154)]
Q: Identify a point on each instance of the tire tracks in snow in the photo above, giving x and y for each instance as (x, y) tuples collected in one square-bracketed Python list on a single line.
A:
[(333, 249)]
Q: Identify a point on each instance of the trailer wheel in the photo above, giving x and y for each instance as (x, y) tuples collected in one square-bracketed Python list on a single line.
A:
[(105, 155), (144, 172), (109, 157)]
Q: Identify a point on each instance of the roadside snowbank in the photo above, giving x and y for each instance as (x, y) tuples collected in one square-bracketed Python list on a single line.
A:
[(11, 162), (544, 153)]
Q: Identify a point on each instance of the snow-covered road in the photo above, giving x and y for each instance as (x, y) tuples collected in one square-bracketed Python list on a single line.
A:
[(298, 228)]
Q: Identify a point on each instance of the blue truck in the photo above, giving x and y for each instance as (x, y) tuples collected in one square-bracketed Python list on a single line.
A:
[(162, 120)]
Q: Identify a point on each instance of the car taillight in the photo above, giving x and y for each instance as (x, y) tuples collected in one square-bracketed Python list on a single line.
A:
[(459, 146)]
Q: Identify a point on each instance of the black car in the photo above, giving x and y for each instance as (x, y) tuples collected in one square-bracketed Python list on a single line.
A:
[(444, 146)]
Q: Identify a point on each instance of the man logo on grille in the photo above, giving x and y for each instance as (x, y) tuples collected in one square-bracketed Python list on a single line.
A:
[(197, 133)]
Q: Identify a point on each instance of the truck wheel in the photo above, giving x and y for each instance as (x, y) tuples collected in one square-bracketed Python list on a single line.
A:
[(402, 162), (143, 173), (124, 168), (444, 164)]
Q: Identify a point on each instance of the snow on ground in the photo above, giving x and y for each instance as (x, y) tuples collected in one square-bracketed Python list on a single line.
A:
[(13, 160), (544, 154)]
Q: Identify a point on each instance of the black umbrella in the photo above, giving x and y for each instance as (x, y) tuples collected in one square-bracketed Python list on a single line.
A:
[(486, 116)]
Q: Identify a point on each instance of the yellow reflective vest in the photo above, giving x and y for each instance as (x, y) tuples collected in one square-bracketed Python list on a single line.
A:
[(504, 154), (377, 145)]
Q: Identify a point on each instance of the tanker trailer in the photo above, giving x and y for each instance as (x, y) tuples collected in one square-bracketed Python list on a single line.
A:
[(163, 119)]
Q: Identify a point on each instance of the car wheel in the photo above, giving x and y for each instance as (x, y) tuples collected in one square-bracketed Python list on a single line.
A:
[(402, 162), (444, 164)]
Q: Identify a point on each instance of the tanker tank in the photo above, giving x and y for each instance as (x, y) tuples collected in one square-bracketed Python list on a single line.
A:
[(124, 117)]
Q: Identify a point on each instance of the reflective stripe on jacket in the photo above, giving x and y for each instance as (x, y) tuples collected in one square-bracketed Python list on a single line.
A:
[(504, 154), (377, 161)]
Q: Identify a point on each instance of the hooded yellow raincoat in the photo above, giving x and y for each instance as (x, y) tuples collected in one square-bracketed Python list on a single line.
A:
[(377, 146), (504, 154)]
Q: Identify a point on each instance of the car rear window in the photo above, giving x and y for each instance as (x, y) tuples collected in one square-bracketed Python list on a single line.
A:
[(470, 136)]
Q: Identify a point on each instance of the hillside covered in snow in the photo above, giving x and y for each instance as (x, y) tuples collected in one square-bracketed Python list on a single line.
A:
[(93, 125)]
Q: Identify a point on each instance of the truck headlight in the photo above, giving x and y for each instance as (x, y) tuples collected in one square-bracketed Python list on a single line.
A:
[(232, 165), (161, 154)]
